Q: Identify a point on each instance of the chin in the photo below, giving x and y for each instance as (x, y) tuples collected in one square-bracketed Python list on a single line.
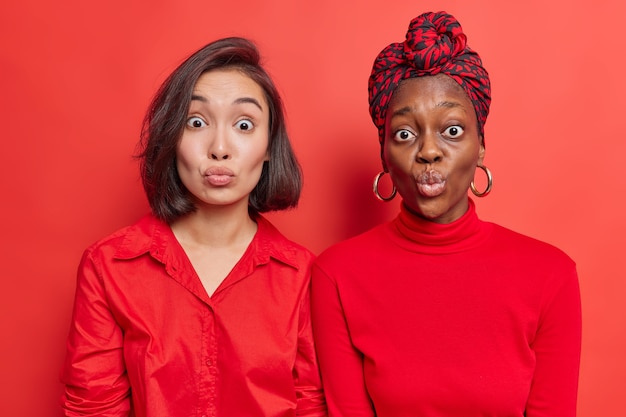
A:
[(435, 217), (430, 210)]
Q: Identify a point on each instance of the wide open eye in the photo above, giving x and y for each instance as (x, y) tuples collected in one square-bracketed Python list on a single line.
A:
[(453, 132), (196, 122), (403, 135), (244, 124)]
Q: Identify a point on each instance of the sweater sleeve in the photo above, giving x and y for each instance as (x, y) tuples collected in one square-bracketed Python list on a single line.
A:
[(94, 374), (340, 362), (557, 349), (309, 392)]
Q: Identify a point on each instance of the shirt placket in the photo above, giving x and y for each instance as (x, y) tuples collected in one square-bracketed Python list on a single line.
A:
[(209, 371)]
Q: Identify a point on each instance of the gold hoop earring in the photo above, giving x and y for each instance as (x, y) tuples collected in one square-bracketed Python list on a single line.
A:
[(489, 183), (375, 189)]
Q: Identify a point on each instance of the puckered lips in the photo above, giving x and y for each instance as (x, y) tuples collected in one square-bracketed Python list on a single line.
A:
[(431, 183), (219, 176)]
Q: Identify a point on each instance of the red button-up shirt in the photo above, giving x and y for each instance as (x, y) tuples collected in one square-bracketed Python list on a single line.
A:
[(147, 341)]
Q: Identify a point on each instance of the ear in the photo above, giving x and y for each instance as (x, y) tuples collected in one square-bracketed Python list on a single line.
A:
[(382, 157), (481, 151)]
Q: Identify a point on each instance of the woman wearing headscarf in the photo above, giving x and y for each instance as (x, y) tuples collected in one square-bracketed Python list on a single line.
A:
[(438, 313)]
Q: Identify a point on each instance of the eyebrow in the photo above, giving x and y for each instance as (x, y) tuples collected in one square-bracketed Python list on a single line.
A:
[(449, 104), (251, 100), (400, 112), (199, 98), (239, 100), (407, 109)]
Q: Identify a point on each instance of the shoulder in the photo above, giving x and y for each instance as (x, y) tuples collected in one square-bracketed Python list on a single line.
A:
[(546, 272), (535, 250), (128, 241), (366, 245)]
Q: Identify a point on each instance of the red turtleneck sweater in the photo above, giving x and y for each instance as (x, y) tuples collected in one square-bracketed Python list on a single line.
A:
[(414, 318)]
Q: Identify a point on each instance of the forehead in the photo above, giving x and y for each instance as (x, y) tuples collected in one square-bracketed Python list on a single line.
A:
[(431, 88), (228, 81)]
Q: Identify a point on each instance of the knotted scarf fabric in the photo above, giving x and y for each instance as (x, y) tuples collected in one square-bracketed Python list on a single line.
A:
[(435, 44)]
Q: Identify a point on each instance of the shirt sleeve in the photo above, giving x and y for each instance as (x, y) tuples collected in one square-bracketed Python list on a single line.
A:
[(309, 392), (94, 374), (557, 350), (340, 362)]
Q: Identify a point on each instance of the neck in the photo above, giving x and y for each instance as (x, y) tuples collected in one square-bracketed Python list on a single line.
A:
[(422, 235), (216, 226)]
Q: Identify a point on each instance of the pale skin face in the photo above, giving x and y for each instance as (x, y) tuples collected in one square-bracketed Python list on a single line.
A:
[(224, 144), (432, 146)]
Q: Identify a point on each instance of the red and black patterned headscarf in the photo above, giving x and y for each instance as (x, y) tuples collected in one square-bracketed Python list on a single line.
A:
[(435, 43)]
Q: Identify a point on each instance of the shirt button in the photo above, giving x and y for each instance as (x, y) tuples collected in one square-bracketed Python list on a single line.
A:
[(208, 362)]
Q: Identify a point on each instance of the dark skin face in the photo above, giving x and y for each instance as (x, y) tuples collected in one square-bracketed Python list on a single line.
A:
[(432, 146)]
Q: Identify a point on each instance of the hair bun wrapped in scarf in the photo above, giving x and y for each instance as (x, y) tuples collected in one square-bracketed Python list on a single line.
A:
[(435, 43)]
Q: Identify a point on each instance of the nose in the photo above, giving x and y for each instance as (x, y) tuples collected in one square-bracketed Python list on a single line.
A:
[(220, 147), (429, 151)]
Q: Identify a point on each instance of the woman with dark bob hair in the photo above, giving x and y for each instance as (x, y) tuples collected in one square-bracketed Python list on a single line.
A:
[(201, 308), (437, 313)]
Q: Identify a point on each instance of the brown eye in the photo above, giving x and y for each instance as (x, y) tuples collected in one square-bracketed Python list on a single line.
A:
[(244, 124), (453, 132), (403, 134), (195, 122)]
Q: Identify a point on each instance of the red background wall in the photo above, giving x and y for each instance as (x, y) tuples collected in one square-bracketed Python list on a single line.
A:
[(76, 77)]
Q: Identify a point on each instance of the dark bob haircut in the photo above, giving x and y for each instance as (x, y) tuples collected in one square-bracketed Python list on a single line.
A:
[(281, 178)]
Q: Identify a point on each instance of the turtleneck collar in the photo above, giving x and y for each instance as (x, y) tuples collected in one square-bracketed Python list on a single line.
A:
[(417, 234)]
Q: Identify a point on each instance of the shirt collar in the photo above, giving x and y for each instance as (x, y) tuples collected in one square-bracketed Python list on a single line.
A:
[(421, 235), (272, 244), (154, 236)]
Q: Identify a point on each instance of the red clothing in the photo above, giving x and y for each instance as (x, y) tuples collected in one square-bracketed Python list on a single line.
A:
[(147, 341), (467, 319)]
